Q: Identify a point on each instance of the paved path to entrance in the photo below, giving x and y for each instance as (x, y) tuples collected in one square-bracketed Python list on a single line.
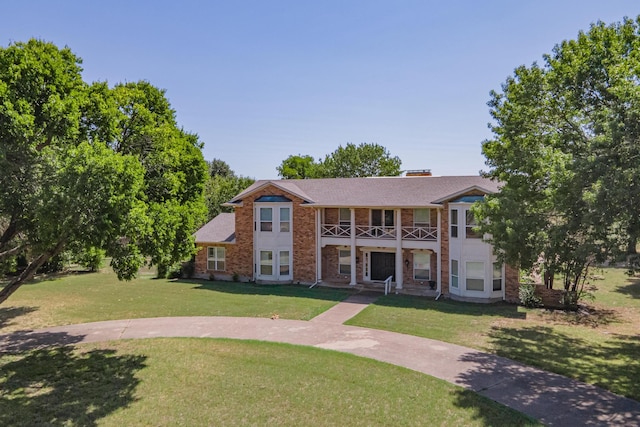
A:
[(551, 398)]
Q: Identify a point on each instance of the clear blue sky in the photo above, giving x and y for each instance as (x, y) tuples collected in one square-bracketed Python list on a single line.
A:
[(260, 80)]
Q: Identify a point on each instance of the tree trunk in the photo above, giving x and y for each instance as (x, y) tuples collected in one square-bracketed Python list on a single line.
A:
[(28, 272)]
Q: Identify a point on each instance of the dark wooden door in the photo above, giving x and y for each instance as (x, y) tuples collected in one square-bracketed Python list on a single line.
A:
[(383, 265)]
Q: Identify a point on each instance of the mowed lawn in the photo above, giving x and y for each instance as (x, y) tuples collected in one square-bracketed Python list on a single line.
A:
[(89, 297), (599, 345), (199, 382)]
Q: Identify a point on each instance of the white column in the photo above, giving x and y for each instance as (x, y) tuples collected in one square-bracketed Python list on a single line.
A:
[(399, 260), (439, 253), (354, 279), (318, 245)]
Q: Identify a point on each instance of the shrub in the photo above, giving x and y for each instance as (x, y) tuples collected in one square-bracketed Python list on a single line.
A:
[(91, 259), (528, 297)]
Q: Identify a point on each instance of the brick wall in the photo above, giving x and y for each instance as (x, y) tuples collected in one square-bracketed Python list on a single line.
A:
[(201, 266), (330, 271), (550, 297), (511, 284), (304, 236)]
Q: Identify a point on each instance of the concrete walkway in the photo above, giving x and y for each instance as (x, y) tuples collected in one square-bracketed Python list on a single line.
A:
[(551, 398)]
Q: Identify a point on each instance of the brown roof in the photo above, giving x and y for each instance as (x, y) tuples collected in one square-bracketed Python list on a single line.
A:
[(221, 229), (412, 191)]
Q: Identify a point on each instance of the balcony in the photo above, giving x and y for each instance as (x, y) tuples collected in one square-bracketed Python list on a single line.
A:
[(380, 232)]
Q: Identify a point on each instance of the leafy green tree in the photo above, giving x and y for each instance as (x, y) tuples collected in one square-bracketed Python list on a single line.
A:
[(85, 167), (298, 167), (362, 160), (351, 161), (566, 147), (219, 167), (220, 189)]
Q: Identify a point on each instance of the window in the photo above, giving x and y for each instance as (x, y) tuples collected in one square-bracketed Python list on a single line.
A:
[(284, 263), (497, 276), (470, 223), (215, 258), (475, 276), (266, 218), (285, 221), (422, 266), (344, 261), (266, 263), (454, 222), (345, 216), (421, 217), (382, 217), (454, 273)]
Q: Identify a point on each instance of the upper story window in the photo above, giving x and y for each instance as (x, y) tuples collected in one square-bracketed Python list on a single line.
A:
[(345, 216), (470, 223), (454, 222), (285, 220), (266, 219), (421, 217), (382, 217)]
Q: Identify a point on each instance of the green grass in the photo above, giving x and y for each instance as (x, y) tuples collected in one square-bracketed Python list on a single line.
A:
[(166, 382), (80, 298), (599, 345)]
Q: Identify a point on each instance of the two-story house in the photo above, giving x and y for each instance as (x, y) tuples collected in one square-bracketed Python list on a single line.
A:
[(417, 231)]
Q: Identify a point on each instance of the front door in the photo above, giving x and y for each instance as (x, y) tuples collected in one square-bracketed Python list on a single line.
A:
[(383, 265)]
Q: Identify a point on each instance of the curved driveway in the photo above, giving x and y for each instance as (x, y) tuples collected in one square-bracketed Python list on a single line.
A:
[(551, 398)]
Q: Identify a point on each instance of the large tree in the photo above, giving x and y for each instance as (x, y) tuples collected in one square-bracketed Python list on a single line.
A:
[(89, 167), (350, 161), (566, 147)]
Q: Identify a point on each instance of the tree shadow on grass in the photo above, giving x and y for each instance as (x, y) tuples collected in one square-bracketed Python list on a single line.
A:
[(631, 287), (63, 386), (298, 291), (612, 365), (498, 309), (7, 314)]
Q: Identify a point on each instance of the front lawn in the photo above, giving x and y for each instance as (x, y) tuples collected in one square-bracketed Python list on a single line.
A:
[(599, 345), (89, 297), (167, 382)]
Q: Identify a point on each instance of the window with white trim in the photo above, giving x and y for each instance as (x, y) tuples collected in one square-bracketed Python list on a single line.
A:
[(344, 216), (454, 273), (285, 220), (344, 261), (285, 263), (454, 222), (475, 276), (266, 219), (382, 217), (422, 217), (266, 263), (422, 266), (215, 258), (469, 225), (497, 276)]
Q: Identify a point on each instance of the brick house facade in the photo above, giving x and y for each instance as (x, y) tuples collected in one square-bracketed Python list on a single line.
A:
[(358, 231)]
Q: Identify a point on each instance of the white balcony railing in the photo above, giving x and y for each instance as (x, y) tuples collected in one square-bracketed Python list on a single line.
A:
[(420, 233), (380, 232)]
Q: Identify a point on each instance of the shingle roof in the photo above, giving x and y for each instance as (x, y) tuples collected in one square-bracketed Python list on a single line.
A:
[(412, 191), (221, 229)]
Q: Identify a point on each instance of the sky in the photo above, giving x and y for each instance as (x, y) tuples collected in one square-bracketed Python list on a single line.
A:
[(259, 81)]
